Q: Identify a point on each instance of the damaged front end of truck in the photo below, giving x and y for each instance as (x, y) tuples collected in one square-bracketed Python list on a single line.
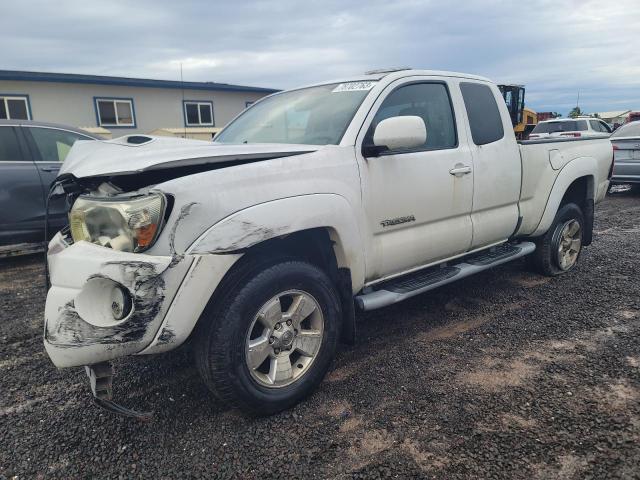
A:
[(107, 299), (120, 282)]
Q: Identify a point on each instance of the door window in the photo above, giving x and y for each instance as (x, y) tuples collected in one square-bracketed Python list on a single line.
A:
[(9, 148), (429, 101), (484, 117), (53, 144)]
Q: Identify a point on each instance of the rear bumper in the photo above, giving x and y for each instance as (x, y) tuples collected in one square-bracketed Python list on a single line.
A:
[(626, 171), (167, 295)]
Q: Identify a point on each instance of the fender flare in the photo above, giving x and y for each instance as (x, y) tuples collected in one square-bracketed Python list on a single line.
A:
[(253, 225), (576, 168)]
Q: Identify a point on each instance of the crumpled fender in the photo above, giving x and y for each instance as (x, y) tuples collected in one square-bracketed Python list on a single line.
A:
[(253, 225)]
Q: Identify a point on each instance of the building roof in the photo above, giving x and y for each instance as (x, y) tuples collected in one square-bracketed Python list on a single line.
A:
[(614, 114), (17, 75)]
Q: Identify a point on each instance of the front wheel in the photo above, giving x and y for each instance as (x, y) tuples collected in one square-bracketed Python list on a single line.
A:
[(270, 341), (558, 250)]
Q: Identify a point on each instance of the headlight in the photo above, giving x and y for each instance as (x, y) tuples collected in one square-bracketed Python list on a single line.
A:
[(129, 226)]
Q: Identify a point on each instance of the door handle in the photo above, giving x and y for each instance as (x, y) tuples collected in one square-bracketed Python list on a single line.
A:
[(50, 169), (460, 170)]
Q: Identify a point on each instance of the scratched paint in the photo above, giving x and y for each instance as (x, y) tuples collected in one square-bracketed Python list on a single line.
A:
[(184, 213), (146, 287)]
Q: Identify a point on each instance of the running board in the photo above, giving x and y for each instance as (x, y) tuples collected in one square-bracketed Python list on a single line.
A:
[(415, 283)]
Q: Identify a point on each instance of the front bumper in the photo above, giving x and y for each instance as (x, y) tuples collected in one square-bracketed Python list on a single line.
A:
[(72, 334), (169, 293)]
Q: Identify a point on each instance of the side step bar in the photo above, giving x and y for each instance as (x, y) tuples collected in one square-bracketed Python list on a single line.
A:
[(415, 283)]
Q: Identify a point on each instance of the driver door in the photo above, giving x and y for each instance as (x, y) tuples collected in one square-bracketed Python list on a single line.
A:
[(418, 202)]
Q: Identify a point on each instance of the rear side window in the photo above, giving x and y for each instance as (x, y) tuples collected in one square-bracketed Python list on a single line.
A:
[(9, 148), (429, 101), (561, 126), (604, 127), (597, 126), (53, 144), (581, 126), (484, 117)]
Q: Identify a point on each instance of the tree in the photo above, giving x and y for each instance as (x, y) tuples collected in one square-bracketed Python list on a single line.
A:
[(575, 112)]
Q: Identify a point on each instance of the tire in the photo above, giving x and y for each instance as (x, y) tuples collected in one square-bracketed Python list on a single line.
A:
[(222, 346), (547, 258)]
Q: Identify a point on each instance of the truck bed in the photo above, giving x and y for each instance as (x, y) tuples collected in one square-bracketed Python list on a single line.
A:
[(543, 161)]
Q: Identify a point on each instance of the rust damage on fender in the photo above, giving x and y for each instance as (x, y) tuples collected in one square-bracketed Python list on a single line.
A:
[(146, 286)]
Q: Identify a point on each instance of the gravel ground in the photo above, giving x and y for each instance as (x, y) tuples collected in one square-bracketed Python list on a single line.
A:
[(503, 375)]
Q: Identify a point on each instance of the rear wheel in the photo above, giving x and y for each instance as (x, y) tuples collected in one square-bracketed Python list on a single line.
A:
[(271, 339), (558, 250)]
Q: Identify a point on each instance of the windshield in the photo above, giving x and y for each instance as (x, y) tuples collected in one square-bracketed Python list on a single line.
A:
[(563, 126), (629, 130), (314, 116)]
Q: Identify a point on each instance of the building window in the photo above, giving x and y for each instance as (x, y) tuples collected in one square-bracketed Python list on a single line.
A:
[(198, 114), (115, 112), (14, 107)]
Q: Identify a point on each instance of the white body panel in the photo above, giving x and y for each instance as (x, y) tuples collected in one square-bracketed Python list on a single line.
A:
[(386, 215)]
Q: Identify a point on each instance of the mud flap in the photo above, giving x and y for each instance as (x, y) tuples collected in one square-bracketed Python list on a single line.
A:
[(588, 222), (101, 380), (348, 334)]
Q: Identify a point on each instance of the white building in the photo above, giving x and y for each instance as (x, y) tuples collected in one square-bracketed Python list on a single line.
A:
[(122, 105), (617, 116)]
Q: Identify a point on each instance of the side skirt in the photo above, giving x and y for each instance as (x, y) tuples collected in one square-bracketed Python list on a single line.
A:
[(415, 283)]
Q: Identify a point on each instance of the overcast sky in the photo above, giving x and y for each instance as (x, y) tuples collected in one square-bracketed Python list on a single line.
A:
[(555, 47)]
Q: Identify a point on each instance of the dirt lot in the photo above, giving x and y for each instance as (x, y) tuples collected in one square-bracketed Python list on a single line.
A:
[(503, 375)]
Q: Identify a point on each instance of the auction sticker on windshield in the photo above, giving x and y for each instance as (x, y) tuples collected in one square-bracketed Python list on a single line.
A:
[(353, 87)]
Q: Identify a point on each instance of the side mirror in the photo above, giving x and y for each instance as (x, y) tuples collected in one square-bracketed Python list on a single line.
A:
[(400, 133)]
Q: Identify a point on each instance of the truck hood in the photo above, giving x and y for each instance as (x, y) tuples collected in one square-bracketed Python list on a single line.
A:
[(122, 156)]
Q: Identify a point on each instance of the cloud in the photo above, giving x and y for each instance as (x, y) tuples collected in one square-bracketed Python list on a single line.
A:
[(556, 48)]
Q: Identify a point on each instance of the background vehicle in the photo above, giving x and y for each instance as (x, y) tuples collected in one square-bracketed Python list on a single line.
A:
[(31, 154), (312, 202), (626, 151), (523, 119), (565, 127), (514, 98)]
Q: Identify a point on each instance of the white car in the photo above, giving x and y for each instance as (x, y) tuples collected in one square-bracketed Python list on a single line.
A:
[(313, 202), (580, 127)]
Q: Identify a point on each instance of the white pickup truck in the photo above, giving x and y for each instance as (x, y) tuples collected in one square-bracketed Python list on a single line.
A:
[(258, 247)]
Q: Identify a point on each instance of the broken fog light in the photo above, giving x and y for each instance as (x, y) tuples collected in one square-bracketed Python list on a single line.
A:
[(131, 225), (103, 302), (120, 303)]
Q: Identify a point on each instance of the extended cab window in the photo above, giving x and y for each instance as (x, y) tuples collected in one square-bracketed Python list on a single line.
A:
[(484, 117), (429, 101)]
